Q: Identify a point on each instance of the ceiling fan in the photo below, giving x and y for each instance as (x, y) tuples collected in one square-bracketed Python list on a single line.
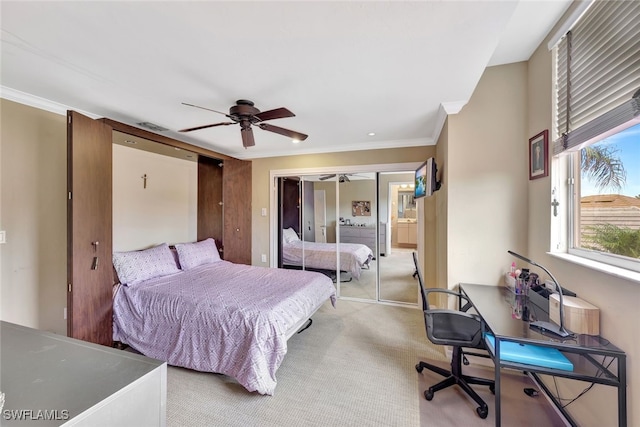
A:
[(343, 177), (246, 115)]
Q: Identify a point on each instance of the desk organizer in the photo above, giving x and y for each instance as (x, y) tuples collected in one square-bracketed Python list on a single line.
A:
[(580, 316)]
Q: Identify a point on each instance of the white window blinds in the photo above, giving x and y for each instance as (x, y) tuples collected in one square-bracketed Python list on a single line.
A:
[(598, 73)]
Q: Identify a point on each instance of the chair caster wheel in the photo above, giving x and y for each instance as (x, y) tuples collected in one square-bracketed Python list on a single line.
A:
[(419, 368), (482, 411), (492, 389), (428, 394)]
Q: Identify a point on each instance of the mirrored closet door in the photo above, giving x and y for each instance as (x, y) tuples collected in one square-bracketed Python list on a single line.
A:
[(398, 215), (354, 227)]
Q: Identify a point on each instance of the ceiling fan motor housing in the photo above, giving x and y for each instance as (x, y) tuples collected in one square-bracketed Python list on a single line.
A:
[(244, 110)]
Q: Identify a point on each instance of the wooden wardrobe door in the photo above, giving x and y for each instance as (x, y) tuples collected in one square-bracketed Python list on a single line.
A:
[(89, 229), (209, 199), (236, 197)]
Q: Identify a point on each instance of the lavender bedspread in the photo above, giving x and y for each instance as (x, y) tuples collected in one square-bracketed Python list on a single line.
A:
[(323, 255), (221, 317)]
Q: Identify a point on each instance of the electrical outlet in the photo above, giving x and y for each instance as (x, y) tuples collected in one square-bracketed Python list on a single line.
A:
[(64, 314), (264, 257), (263, 212), (3, 236)]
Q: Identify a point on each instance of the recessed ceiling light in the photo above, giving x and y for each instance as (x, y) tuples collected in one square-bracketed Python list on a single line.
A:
[(176, 148), (129, 141), (371, 134)]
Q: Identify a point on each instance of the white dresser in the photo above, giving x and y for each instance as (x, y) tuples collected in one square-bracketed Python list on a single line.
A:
[(365, 235), (52, 380)]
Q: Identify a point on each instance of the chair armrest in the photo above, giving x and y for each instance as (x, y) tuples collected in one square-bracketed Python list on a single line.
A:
[(459, 295)]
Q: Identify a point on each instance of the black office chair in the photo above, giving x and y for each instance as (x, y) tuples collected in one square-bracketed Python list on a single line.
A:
[(458, 329)]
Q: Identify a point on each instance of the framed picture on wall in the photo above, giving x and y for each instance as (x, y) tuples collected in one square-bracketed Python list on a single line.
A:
[(360, 208), (539, 155)]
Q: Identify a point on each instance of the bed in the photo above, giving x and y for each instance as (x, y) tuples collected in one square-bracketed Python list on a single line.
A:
[(322, 256), (220, 317)]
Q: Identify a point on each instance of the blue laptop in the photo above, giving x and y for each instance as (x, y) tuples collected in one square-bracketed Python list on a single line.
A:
[(530, 354)]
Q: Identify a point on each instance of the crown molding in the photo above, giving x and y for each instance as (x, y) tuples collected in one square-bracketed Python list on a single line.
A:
[(445, 109), (40, 103)]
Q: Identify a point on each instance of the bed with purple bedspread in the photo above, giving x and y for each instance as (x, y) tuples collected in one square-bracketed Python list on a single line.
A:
[(221, 317)]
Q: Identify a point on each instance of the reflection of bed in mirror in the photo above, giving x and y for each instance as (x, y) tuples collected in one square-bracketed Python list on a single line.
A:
[(322, 256)]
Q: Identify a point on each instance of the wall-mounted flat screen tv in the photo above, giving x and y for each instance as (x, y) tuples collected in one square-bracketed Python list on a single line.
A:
[(426, 182)]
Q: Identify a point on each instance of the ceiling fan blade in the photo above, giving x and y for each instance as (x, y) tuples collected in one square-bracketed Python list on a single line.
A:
[(208, 109), (325, 177), (282, 131), (247, 137), (206, 126), (278, 113), (346, 178)]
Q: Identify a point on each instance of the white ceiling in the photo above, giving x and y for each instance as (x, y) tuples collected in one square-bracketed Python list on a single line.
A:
[(344, 68)]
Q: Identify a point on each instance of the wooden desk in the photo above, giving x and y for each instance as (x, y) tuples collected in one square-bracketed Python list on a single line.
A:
[(507, 315), (52, 380)]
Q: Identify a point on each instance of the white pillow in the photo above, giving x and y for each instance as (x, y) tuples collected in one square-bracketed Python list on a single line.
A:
[(289, 235), (134, 267), (192, 255)]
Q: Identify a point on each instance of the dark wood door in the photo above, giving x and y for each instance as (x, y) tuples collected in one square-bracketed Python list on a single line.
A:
[(236, 197), (89, 228), (210, 199)]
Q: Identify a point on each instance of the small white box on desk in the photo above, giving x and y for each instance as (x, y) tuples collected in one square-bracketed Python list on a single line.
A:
[(580, 316)]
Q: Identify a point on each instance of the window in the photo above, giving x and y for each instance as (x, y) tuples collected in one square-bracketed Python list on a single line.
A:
[(598, 128), (606, 200)]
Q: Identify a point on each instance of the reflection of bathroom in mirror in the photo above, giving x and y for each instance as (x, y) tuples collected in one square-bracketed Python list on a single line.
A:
[(406, 204)]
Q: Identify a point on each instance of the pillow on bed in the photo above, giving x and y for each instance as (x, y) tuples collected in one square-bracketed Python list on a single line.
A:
[(289, 235), (134, 267), (192, 255)]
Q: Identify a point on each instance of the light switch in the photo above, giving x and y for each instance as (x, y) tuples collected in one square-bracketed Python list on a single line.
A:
[(264, 212)]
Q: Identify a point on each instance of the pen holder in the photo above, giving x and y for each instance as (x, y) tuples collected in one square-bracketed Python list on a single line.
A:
[(510, 282)]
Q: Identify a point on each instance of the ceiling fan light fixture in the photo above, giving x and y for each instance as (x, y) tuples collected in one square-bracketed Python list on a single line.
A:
[(295, 141)]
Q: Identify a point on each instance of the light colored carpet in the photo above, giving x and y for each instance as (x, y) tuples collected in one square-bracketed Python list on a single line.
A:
[(452, 407), (355, 366), (396, 279)]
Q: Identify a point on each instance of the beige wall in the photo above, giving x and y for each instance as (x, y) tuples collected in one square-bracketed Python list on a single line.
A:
[(33, 212), (486, 178)]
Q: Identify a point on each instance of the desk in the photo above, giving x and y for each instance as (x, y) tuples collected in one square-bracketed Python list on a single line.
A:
[(505, 315)]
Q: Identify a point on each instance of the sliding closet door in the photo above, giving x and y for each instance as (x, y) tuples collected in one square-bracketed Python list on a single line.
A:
[(358, 210), (89, 229), (398, 237)]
